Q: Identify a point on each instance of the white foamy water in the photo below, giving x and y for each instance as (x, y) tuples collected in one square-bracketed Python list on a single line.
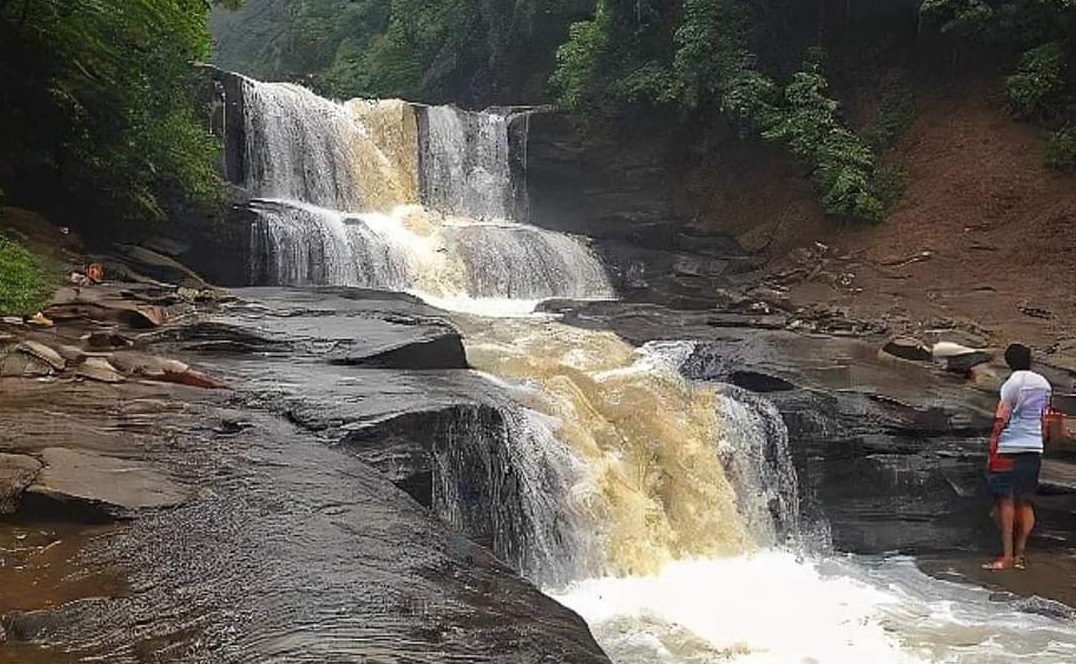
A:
[(773, 608)]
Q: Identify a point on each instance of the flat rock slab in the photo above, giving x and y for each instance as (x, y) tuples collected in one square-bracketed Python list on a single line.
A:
[(1058, 476), (17, 471), (86, 477)]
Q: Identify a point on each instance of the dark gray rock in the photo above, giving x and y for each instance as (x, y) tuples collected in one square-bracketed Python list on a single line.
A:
[(160, 267), (907, 349), (441, 350)]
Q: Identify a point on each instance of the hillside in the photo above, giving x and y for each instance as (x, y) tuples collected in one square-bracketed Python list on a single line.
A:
[(999, 228)]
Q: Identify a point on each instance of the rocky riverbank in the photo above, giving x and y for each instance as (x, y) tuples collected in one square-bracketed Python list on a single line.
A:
[(151, 516)]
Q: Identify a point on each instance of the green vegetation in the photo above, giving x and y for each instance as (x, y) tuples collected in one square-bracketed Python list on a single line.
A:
[(697, 59), (1043, 34), (1038, 80), (1061, 149), (24, 287), (465, 51), (100, 124)]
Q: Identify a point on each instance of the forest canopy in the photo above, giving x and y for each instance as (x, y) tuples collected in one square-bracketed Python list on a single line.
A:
[(101, 120)]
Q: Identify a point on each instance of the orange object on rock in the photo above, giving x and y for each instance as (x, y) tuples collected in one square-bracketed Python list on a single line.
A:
[(1053, 426), (96, 272)]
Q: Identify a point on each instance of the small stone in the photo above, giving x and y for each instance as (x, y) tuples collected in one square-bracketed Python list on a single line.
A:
[(99, 369)]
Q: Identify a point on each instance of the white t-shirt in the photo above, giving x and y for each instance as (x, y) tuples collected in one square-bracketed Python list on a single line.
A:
[(1027, 394)]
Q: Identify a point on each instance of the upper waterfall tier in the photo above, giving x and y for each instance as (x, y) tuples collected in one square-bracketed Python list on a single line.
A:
[(371, 155)]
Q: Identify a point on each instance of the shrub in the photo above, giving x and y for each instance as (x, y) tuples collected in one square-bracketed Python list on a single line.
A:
[(577, 60), (1061, 149), (1038, 80), (23, 283), (844, 166)]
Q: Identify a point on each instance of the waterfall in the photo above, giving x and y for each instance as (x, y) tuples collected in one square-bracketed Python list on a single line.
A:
[(391, 196), (754, 452), (300, 146), (501, 475), (382, 195), (464, 163)]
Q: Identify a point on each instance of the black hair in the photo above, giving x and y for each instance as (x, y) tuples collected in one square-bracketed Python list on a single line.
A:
[(1018, 357)]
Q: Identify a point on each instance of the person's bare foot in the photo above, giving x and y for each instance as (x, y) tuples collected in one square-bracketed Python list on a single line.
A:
[(999, 564)]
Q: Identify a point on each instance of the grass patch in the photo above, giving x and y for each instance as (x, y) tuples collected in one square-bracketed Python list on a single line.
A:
[(24, 283)]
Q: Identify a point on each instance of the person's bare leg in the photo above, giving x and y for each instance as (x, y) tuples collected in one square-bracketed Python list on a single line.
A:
[(1006, 514), (1024, 523)]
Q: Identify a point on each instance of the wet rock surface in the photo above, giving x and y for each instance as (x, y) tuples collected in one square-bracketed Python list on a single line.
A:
[(97, 480), (282, 540)]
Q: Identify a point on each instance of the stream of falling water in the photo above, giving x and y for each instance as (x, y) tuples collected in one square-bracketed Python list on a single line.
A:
[(682, 518)]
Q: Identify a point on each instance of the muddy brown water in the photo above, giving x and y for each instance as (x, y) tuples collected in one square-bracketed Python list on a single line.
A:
[(43, 567)]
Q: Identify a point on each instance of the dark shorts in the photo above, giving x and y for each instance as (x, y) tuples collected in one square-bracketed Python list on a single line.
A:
[(1021, 482)]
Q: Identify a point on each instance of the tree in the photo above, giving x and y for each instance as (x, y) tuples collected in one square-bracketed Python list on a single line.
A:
[(102, 122)]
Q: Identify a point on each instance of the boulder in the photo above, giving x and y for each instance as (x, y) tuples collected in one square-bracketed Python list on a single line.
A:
[(958, 358), (71, 354), (907, 348), (441, 350), (24, 365), (17, 471), (107, 340), (43, 353), (155, 367), (161, 267)]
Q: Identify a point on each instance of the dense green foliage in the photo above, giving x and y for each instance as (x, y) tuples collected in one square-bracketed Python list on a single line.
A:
[(100, 123), (697, 58), (468, 51), (23, 285)]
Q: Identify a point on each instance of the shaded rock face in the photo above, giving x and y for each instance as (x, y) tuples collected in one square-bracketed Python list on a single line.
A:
[(889, 469), (456, 461), (609, 193), (620, 194)]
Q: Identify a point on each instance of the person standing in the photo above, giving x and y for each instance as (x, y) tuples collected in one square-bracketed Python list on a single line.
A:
[(1015, 457)]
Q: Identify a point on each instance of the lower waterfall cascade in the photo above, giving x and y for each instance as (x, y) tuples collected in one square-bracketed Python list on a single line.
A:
[(664, 511)]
